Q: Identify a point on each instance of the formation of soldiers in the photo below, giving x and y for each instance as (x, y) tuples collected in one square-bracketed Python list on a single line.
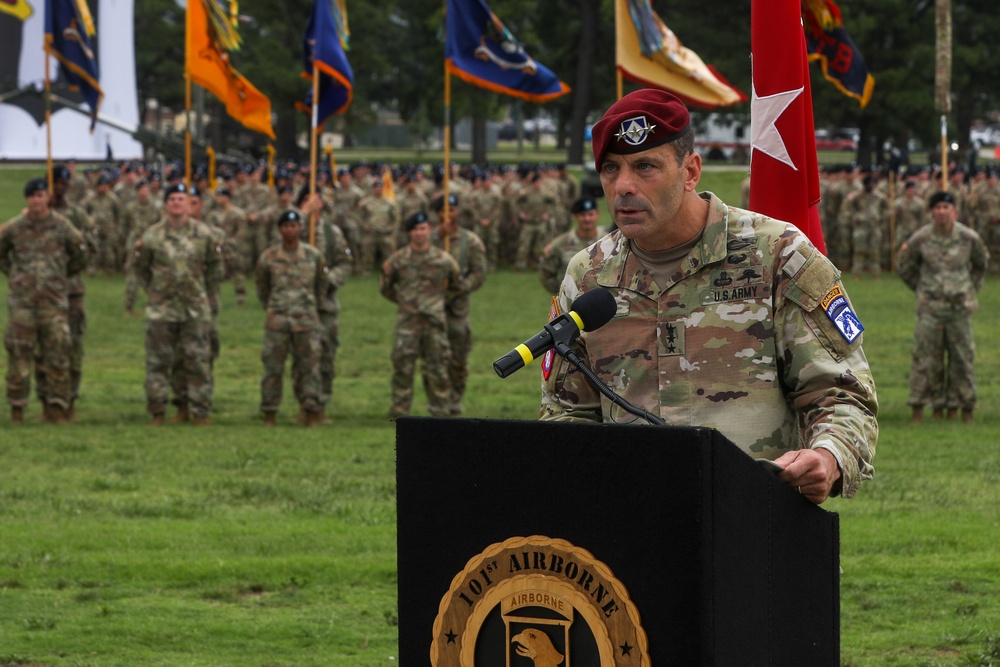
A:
[(498, 216), (866, 216)]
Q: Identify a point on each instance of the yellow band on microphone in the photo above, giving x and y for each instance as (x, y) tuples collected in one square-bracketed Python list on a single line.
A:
[(525, 353), (576, 318)]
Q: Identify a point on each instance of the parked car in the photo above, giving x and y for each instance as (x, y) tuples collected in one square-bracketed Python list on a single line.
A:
[(827, 141)]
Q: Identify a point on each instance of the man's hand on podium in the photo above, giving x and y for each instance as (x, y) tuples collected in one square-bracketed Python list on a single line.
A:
[(812, 471)]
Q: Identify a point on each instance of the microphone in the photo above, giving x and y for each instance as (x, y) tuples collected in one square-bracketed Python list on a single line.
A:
[(591, 311)]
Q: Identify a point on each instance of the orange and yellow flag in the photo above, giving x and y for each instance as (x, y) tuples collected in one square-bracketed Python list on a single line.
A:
[(649, 53), (208, 65)]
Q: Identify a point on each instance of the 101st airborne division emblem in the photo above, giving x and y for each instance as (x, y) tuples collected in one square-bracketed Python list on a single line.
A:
[(537, 602)]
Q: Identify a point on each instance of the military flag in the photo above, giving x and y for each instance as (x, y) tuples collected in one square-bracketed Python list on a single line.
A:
[(323, 48), (69, 29), (480, 50), (828, 42), (211, 36), (18, 8), (649, 53), (784, 172)]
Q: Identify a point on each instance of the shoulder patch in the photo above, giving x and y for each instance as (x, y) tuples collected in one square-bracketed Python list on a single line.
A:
[(838, 310)]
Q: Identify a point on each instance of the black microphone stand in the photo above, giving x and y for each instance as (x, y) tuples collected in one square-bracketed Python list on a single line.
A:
[(563, 349)]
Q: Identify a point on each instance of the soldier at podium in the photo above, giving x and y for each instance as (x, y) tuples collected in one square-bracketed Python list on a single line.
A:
[(725, 318)]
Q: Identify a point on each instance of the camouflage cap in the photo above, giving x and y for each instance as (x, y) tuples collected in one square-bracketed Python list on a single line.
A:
[(639, 121)]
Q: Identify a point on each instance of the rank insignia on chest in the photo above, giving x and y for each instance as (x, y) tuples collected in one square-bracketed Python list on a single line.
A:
[(838, 310), (670, 338)]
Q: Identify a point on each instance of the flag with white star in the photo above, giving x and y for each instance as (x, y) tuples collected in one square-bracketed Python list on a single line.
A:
[(784, 170)]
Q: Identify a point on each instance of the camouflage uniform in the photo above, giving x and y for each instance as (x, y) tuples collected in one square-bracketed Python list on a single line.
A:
[(745, 339), (865, 214), (77, 309), (138, 218), (466, 248), (911, 215), (486, 206), (180, 269), (420, 283), (233, 223), (106, 212), (556, 257), (339, 263), (345, 203), (537, 208), (379, 218), (291, 285), (38, 258), (945, 271)]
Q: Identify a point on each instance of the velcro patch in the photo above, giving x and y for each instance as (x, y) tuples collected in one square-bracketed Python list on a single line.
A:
[(838, 310)]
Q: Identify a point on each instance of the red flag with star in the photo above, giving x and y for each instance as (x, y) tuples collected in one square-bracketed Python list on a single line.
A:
[(784, 171)]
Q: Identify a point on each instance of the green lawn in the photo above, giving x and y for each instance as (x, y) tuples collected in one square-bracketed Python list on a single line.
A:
[(235, 546)]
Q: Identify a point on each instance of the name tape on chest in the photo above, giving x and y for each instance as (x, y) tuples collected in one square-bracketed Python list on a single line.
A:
[(838, 310)]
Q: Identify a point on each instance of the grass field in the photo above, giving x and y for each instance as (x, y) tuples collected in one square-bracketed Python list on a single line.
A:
[(235, 546)]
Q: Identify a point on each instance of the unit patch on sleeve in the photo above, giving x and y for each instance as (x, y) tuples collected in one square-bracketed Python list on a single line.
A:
[(838, 310)]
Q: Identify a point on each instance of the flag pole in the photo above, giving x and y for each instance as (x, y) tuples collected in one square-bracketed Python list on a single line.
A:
[(48, 124), (312, 151), (447, 147)]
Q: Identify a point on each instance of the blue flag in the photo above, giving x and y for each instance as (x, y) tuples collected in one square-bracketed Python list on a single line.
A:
[(828, 42), (68, 32), (323, 48), (480, 50)]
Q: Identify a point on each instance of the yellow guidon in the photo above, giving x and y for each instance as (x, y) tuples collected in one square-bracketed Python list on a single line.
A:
[(525, 353), (18, 8)]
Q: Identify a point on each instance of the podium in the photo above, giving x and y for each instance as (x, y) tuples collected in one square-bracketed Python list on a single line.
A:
[(719, 562)]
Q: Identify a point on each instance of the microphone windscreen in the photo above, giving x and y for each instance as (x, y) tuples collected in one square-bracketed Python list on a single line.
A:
[(595, 308)]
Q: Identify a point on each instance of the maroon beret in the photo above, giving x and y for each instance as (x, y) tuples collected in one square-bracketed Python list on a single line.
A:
[(639, 121)]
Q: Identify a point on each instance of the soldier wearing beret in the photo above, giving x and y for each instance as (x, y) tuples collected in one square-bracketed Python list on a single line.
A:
[(291, 283), (39, 251), (75, 213), (725, 318), (420, 279), (470, 253), (179, 264), (561, 249), (944, 263), (865, 213)]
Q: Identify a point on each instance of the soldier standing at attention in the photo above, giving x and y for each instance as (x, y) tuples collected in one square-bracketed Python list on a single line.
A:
[(291, 282), (420, 279), (179, 264), (866, 213), (77, 289), (561, 249), (39, 251), (911, 213), (944, 263), (470, 253), (725, 318), (105, 209), (233, 222), (379, 218)]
